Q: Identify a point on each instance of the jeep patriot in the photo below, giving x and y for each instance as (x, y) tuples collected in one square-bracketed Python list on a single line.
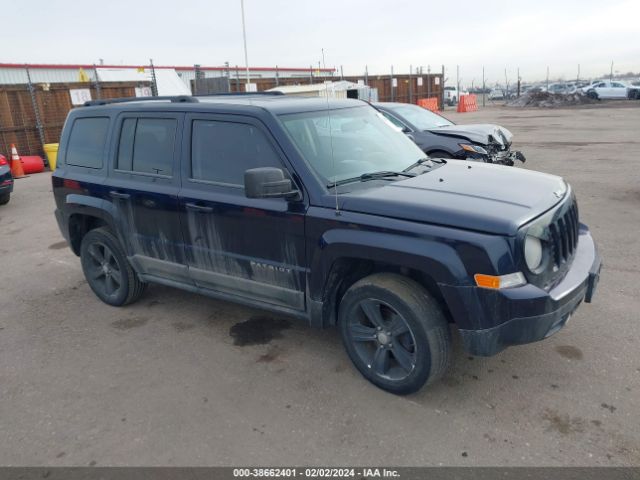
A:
[(320, 210)]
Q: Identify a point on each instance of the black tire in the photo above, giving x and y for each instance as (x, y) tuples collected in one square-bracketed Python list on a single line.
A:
[(4, 199), (107, 269), (395, 332), (440, 154), (593, 94)]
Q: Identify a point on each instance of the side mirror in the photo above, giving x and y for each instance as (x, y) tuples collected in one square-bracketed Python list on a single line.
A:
[(268, 182), (406, 130)]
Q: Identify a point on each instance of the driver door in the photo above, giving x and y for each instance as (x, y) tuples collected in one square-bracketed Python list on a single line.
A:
[(245, 247)]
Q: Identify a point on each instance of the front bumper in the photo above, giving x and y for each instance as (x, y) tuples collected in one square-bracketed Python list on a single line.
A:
[(491, 320), (508, 157), (503, 157)]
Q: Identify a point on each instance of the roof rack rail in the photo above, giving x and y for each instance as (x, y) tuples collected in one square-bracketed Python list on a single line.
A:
[(239, 94), (172, 99)]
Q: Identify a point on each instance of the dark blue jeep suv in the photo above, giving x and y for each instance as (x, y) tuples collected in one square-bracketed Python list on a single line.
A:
[(321, 210)]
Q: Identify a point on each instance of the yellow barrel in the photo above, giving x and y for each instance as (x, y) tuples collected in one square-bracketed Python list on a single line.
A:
[(51, 149)]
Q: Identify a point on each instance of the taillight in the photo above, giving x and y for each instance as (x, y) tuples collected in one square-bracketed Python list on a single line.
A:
[(3, 161), (71, 184)]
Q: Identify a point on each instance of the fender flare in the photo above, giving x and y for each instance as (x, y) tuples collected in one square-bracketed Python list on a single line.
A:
[(435, 259), (93, 207)]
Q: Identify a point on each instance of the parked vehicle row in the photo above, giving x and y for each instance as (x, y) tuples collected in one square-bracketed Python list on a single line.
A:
[(598, 89), (607, 89), (320, 210)]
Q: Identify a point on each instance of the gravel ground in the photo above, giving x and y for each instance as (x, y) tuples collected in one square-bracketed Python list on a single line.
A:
[(162, 383)]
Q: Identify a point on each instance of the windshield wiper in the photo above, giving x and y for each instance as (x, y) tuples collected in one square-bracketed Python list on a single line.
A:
[(371, 176)]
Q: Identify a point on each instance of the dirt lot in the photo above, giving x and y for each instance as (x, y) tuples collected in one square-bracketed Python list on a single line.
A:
[(162, 383)]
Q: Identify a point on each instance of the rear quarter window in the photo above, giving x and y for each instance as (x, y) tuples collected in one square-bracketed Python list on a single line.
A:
[(87, 142)]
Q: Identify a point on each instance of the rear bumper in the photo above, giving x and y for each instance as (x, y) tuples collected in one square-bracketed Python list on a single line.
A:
[(497, 319), (62, 224)]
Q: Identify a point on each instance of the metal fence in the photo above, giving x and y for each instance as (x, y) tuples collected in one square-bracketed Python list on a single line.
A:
[(33, 114)]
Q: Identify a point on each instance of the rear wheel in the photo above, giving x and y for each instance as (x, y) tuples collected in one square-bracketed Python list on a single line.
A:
[(394, 332), (107, 269), (4, 199)]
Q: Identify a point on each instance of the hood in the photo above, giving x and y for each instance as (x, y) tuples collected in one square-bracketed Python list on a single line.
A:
[(478, 133), (467, 195)]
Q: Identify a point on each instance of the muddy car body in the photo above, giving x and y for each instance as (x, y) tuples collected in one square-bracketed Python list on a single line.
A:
[(301, 207)]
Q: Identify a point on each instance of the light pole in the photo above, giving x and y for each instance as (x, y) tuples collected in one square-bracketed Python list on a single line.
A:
[(244, 38)]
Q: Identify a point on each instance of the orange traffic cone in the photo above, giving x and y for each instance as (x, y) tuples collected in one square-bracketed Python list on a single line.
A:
[(16, 164)]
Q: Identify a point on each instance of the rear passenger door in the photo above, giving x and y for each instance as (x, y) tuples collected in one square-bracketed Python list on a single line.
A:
[(251, 248), (144, 184)]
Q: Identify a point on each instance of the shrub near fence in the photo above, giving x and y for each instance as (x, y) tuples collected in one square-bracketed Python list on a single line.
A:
[(18, 118)]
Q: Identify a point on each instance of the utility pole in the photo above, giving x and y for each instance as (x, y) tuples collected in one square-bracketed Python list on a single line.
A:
[(410, 83), (392, 91), (484, 90), (518, 82), (458, 81), (506, 83), (98, 89), (442, 90), (228, 75), (366, 75), (34, 104), (578, 77), (277, 77), (244, 39), (611, 72), (547, 78), (154, 83), (341, 73), (428, 81)]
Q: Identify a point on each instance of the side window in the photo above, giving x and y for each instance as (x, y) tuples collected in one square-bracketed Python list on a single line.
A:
[(222, 151), (147, 145), (87, 141), (393, 120)]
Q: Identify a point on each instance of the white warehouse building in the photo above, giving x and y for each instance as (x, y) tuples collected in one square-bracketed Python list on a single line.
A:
[(16, 73)]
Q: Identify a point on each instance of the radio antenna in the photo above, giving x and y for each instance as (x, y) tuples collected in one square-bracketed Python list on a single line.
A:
[(333, 162)]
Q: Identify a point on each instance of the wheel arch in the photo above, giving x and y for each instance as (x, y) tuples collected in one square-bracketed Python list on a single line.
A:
[(426, 262), (85, 214)]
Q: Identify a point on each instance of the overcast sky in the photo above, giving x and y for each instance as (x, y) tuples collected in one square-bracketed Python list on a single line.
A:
[(292, 33)]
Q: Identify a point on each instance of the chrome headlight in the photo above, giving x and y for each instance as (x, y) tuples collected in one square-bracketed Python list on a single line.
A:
[(473, 148), (537, 244), (533, 252)]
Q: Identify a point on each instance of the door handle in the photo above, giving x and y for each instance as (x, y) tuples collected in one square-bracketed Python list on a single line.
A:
[(198, 208), (121, 195)]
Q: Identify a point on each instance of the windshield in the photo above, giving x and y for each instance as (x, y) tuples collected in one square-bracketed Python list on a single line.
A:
[(421, 118), (361, 139)]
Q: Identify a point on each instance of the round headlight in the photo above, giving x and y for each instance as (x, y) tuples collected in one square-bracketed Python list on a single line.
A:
[(532, 252)]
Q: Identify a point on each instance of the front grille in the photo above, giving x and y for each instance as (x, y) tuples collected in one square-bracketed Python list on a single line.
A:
[(564, 235)]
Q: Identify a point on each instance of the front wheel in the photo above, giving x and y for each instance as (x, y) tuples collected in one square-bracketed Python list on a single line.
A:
[(4, 199), (394, 332), (107, 269)]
